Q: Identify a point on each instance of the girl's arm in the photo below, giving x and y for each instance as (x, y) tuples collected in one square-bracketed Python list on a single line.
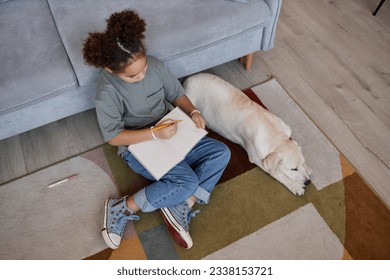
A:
[(186, 105), (127, 137)]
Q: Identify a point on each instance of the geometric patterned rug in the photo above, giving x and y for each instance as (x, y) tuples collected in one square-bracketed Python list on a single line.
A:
[(253, 216), (250, 214)]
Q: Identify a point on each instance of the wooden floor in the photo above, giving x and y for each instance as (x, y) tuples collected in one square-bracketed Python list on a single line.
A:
[(331, 56)]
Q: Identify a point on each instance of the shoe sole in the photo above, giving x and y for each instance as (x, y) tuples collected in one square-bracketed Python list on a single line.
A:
[(106, 237), (175, 228)]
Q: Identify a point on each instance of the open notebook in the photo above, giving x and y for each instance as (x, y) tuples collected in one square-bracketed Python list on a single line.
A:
[(160, 156)]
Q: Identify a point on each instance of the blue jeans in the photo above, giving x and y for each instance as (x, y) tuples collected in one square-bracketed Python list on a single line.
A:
[(196, 175)]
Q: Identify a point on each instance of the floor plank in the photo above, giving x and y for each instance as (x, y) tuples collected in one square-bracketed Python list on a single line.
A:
[(11, 159)]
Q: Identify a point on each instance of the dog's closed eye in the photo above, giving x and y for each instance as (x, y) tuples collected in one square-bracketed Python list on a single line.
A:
[(294, 169)]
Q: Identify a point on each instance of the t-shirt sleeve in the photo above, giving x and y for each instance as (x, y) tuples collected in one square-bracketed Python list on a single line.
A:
[(172, 87), (109, 115)]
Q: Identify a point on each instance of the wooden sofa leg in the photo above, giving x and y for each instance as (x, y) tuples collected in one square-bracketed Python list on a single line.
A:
[(247, 61)]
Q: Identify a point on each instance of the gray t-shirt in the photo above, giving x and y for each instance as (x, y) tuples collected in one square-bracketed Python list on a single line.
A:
[(121, 105)]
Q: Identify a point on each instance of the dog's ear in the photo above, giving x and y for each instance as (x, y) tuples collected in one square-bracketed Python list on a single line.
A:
[(272, 163)]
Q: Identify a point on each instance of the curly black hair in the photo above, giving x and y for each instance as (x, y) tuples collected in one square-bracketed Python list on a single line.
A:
[(119, 45)]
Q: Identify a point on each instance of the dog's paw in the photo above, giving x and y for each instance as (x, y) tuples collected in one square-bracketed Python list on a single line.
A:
[(297, 190)]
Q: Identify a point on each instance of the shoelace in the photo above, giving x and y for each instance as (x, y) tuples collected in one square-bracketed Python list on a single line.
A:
[(192, 215), (122, 221)]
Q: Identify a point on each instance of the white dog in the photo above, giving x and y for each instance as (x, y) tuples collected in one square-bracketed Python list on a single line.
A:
[(265, 137)]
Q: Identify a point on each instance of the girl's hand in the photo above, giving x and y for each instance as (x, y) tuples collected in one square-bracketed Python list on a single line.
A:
[(167, 132), (198, 120)]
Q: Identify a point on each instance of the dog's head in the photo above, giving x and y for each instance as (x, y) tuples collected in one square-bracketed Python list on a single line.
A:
[(287, 164)]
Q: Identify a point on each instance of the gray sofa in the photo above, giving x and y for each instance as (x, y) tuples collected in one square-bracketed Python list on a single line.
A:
[(43, 77)]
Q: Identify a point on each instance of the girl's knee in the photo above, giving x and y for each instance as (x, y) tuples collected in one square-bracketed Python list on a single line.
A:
[(224, 152), (227, 151)]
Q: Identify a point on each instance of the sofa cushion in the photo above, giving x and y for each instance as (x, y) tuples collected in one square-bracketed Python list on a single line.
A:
[(34, 64), (183, 27)]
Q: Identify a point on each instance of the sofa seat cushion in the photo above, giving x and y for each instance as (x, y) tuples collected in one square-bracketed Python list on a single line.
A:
[(34, 64), (183, 27)]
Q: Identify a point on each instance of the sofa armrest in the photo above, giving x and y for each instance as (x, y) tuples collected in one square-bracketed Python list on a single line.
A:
[(269, 31)]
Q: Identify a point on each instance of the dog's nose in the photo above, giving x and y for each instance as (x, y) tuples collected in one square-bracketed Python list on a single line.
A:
[(308, 182)]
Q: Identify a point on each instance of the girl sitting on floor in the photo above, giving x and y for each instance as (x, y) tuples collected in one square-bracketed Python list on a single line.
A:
[(133, 92)]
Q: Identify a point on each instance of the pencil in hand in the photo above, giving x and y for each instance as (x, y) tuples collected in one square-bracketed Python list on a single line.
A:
[(165, 125)]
